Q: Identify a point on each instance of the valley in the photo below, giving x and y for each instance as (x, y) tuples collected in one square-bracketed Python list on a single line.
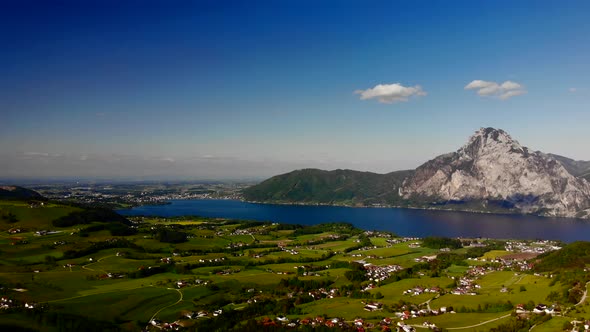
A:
[(216, 274)]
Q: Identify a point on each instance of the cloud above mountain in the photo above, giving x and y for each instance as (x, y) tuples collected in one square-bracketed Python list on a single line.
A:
[(502, 91), (391, 93)]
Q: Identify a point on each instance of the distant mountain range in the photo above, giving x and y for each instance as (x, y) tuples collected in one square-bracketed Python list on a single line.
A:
[(491, 173)]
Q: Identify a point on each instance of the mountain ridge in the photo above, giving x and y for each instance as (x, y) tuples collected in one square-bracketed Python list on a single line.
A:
[(339, 186), (494, 166), (492, 172)]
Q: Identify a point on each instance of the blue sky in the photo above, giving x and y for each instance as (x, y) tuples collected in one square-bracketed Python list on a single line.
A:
[(227, 89)]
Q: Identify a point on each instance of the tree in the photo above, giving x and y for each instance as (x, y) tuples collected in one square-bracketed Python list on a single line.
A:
[(10, 218)]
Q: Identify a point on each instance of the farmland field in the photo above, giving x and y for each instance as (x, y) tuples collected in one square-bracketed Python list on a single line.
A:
[(198, 272)]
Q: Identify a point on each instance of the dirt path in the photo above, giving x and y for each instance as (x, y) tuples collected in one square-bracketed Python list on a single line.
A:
[(428, 302), (468, 327), (480, 324), (584, 296), (168, 306), (85, 267)]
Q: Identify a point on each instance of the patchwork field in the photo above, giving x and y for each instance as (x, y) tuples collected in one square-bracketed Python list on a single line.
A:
[(217, 274)]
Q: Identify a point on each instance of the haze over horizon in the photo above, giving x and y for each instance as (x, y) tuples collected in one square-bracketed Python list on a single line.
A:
[(231, 90)]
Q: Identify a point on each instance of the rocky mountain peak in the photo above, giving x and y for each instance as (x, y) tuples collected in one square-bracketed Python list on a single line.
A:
[(487, 140), (492, 166)]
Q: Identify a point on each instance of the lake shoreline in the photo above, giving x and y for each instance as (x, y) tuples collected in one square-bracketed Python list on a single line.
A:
[(402, 221)]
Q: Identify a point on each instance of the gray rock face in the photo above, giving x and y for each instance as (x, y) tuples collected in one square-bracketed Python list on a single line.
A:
[(494, 167)]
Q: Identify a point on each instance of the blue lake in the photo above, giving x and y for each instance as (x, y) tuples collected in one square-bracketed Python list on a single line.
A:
[(404, 222)]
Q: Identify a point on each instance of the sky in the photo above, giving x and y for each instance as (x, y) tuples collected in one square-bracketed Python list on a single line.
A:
[(250, 89)]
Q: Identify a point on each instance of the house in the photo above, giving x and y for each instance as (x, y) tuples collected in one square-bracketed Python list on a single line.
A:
[(358, 322), (191, 315), (539, 309), (373, 306)]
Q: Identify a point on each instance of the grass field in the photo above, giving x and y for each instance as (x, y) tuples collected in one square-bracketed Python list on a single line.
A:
[(35, 270), (456, 321), (537, 289), (37, 218), (136, 304)]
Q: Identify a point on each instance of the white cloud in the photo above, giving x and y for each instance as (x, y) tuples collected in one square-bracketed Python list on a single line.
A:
[(391, 93), (36, 154), (502, 91), (573, 90)]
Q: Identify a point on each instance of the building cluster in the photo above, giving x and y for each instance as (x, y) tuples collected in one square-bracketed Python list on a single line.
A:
[(186, 283), (212, 260), (8, 303), (421, 290), (466, 286), (323, 293), (402, 240), (235, 245), (373, 306), (135, 195), (227, 272), (424, 259), (45, 232), (539, 309), (503, 264), (538, 247), (378, 234), (379, 273), (290, 251), (165, 326), (358, 324), (425, 312)]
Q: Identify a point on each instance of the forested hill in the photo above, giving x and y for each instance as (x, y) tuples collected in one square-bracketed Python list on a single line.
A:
[(18, 193), (329, 187)]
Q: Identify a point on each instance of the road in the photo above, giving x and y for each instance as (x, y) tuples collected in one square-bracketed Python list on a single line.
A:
[(584, 296), (428, 302), (480, 324), (168, 306), (468, 327), (98, 261)]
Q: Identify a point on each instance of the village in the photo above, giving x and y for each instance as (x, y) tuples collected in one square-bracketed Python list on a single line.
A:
[(334, 276)]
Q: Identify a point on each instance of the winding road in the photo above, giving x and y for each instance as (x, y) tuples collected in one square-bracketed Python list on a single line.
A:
[(583, 296), (168, 306), (468, 327), (98, 261)]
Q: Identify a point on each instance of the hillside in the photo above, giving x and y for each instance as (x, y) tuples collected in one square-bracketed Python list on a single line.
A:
[(18, 193), (492, 166), (578, 168), (575, 255), (329, 187)]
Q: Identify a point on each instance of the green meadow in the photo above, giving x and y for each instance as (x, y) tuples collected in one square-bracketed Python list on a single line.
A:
[(171, 268)]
